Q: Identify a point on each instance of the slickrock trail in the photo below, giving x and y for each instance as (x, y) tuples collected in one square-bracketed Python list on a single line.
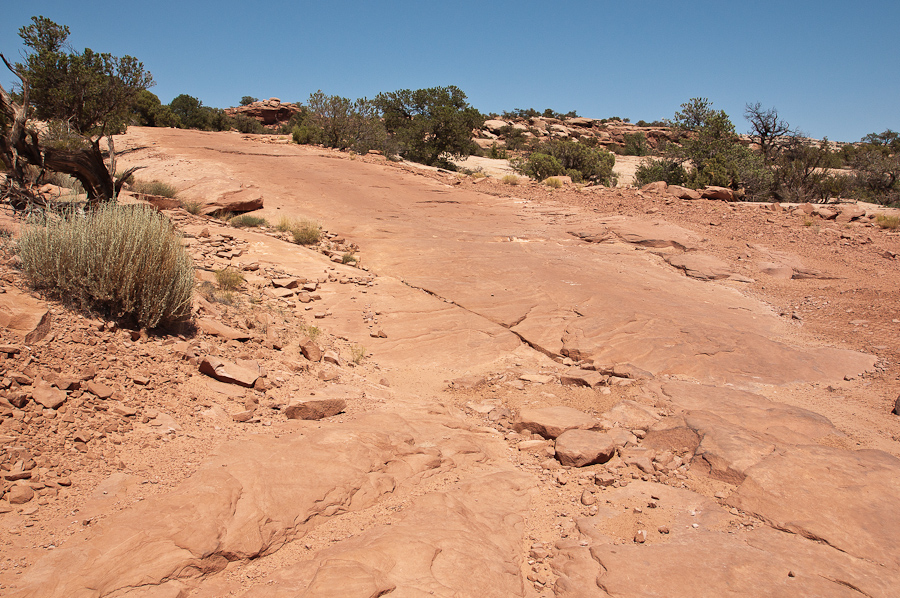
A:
[(559, 398)]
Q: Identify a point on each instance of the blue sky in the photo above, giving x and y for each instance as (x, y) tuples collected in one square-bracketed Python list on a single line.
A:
[(830, 68)]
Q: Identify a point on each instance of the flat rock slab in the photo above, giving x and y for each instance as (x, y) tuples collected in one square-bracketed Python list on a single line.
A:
[(651, 234), (465, 542), (47, 396), (219, 329), (315, 409), (578, 448), (24, 315), (550, 422), (225, 371), (848, 499)]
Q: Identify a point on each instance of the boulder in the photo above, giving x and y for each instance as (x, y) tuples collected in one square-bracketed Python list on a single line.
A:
[(310, 350), (713, 192), (656, 187), (225, 371), (47, 396), (578, 448), (825, 213), (550, 422), (24, 316), (494, 125), (682, 192), (244, 199), (315, 409), (848, 213), (19, 494)]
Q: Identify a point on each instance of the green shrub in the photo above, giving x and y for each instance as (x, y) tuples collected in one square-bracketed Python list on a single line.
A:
[(306, 232), (126, 260), (635, 145), (247, 220), (572, 158), (348, 258), (229, 279), (154, 187), (497, 153), (247, 124), (650, 171), (305, 135)]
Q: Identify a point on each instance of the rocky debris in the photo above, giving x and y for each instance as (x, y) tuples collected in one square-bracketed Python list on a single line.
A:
[(19, 494), (578, 448), (310, 350), (24, 316), (48, 396), (550, 422), (315, 409), (225, 371)]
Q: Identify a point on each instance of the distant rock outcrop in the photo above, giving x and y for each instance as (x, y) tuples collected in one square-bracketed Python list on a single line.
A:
[(268, 112)]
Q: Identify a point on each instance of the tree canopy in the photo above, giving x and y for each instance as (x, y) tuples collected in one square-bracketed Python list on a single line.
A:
[(430, 125), (92, 91)]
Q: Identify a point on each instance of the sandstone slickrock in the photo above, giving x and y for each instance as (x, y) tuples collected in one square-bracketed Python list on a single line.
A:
[(463, 542), (252, 496), (847, 499), (700, 266)]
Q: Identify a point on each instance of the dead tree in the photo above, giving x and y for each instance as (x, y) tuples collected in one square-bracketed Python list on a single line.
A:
[(20, 146)]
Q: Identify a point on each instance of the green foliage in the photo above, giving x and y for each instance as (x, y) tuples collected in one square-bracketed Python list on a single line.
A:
[(247, 100), (190, 113), (515, 138), (148, 111), (154, 187), (247, 124), (341, 123), (662, 169), (635, 144), (348, 258), (430, 126), (877, 174), (570, 158), (93, 92), (126, 260), (497, 153)]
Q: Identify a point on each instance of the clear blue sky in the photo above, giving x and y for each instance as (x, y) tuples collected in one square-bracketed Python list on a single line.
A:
[(831, 68)]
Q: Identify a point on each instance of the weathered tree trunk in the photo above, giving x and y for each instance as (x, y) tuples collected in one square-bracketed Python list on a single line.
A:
[(20, 145)]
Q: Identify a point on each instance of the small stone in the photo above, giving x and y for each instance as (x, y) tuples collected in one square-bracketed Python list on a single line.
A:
[(896, 410), (101, 391), (19, 494), (641, 536), (588, 498), (316, 409), (663, 529), (242, 416), (604, 479), (331, 357)]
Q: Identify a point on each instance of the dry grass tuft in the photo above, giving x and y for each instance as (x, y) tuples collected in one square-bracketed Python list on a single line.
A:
[(154, 188), (306, 232), (511, 179), (126, 260), (888, 222), (229, 279)]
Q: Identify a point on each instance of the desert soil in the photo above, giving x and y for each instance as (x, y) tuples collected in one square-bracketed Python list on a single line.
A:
[(527, 392)]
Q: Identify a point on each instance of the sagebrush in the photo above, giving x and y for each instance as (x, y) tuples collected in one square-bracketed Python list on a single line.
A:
[(125, 260)]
